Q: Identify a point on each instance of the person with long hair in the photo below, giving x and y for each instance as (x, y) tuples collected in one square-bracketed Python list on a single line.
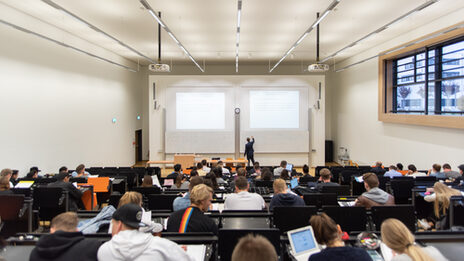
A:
[(328, 233), (147, 181), (441, 201), (181, 182), (398, 237)]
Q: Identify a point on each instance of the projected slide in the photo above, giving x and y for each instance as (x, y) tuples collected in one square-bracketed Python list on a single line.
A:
[(274, 109), (200, 110)]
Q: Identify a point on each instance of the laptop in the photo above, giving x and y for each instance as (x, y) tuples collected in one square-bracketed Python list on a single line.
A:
[(293, 183), (303, 243), (289, 167)]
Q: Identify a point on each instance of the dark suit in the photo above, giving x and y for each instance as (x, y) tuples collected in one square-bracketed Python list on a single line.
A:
[(249, 151), (73, 193)]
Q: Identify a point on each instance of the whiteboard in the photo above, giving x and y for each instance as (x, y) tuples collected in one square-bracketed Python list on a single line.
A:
[(200, 142), (282, 141)]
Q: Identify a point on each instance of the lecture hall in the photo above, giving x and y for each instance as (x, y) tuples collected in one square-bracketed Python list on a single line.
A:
[(231, 130)]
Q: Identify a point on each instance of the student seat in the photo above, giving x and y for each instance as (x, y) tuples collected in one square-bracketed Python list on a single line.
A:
[(288, 218)]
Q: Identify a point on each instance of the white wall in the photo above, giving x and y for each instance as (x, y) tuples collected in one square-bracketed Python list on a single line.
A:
[(317, 131), (354, 124), (57, 105)]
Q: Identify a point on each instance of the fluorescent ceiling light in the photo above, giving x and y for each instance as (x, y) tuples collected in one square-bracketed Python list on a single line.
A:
[(60, 8), (382, 28), (403, 46), (237, 42), (170, 33), (300, 39), (65, 45)]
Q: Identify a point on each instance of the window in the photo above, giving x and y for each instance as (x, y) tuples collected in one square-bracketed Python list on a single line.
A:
[(444, 87), (422, 82)]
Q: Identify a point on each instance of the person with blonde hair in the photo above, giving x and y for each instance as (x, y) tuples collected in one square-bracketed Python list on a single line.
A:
[(192, 219), (441, 201), (254, 247), (131, 197), (398, 237), (282, 197), (328, 233), (5, 188)]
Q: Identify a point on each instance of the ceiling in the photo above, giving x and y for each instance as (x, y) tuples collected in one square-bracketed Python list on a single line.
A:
[(207, 27)]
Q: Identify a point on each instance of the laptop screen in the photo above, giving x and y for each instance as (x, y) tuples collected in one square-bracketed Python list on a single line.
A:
[(303, 240), (293, 183), (289, 167)]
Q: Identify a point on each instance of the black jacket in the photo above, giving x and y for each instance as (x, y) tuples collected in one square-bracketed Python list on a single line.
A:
[(73, 193), (249, 148), (65, 246), (198, 222)]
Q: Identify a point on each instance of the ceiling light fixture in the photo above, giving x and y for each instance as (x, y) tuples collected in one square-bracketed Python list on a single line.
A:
[(403, 46), (417, 9), (170, 33), (237, 43), (65, 45), (96, 29), (300, 39)]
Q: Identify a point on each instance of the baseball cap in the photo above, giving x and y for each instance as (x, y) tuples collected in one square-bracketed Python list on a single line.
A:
[(461, 167), (130, 215)]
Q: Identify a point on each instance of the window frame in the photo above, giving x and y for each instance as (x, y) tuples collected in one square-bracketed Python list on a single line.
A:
[(387, 77)]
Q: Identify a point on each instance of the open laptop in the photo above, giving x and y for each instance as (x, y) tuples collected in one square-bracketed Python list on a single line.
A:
[(293, 183), (303, 243), (289, 167)]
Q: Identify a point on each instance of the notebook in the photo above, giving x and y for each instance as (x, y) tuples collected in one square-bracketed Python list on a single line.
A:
[(303, 243)]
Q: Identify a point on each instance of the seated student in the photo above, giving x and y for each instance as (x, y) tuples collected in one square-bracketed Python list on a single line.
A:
[(373, 196), (147, 181), (80, 171), (200, 169), (324, 180), (461, 170), (33, 173), (14, 177), (181, 182), (284, 175), (64, 242), (224, 170), (450, 173), (278, 171), (242, 199), (378, 168), (392, 172), (306, 171), (267, 174), (5, 188), (204, 163), (412, 171), (7, 173), (400, 240), (218, 173), (254, 247), (74, 195), (282, 198), (192, 218), (177, 171), (63, 169), (441, 201), (184, 202), (128, 243), (435, 171), (328, 233)]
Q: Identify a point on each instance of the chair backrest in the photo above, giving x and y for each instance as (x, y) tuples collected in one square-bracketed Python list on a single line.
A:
[(100, 184), (456, 211), (343, 190), (145, 191), (349, 218), (404, 213), (50, 201), (228, 238), (10, 206), (304, 180), (320, 199), (78, 180), (402, 189), (288, 218), (161, 202), (114, 200), (357, 188), (347, 174)]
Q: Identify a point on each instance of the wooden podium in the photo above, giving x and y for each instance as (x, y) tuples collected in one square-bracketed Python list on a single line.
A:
[(186, 161)]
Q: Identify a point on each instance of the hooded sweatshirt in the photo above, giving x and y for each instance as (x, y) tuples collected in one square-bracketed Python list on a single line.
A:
[(65, 246), (377, 195), (286, 199), (138, 246)]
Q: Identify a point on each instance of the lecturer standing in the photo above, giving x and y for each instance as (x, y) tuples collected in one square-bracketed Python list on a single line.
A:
[(249, 151)]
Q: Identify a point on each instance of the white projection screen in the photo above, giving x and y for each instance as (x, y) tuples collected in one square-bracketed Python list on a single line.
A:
[(277, 117), (199, 120)]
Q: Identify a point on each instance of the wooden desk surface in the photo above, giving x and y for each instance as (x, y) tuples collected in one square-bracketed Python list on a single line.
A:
[(209, 161)]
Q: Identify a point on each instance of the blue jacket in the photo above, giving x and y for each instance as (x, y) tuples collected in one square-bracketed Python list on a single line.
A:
[(181, 202), (91, 226)]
